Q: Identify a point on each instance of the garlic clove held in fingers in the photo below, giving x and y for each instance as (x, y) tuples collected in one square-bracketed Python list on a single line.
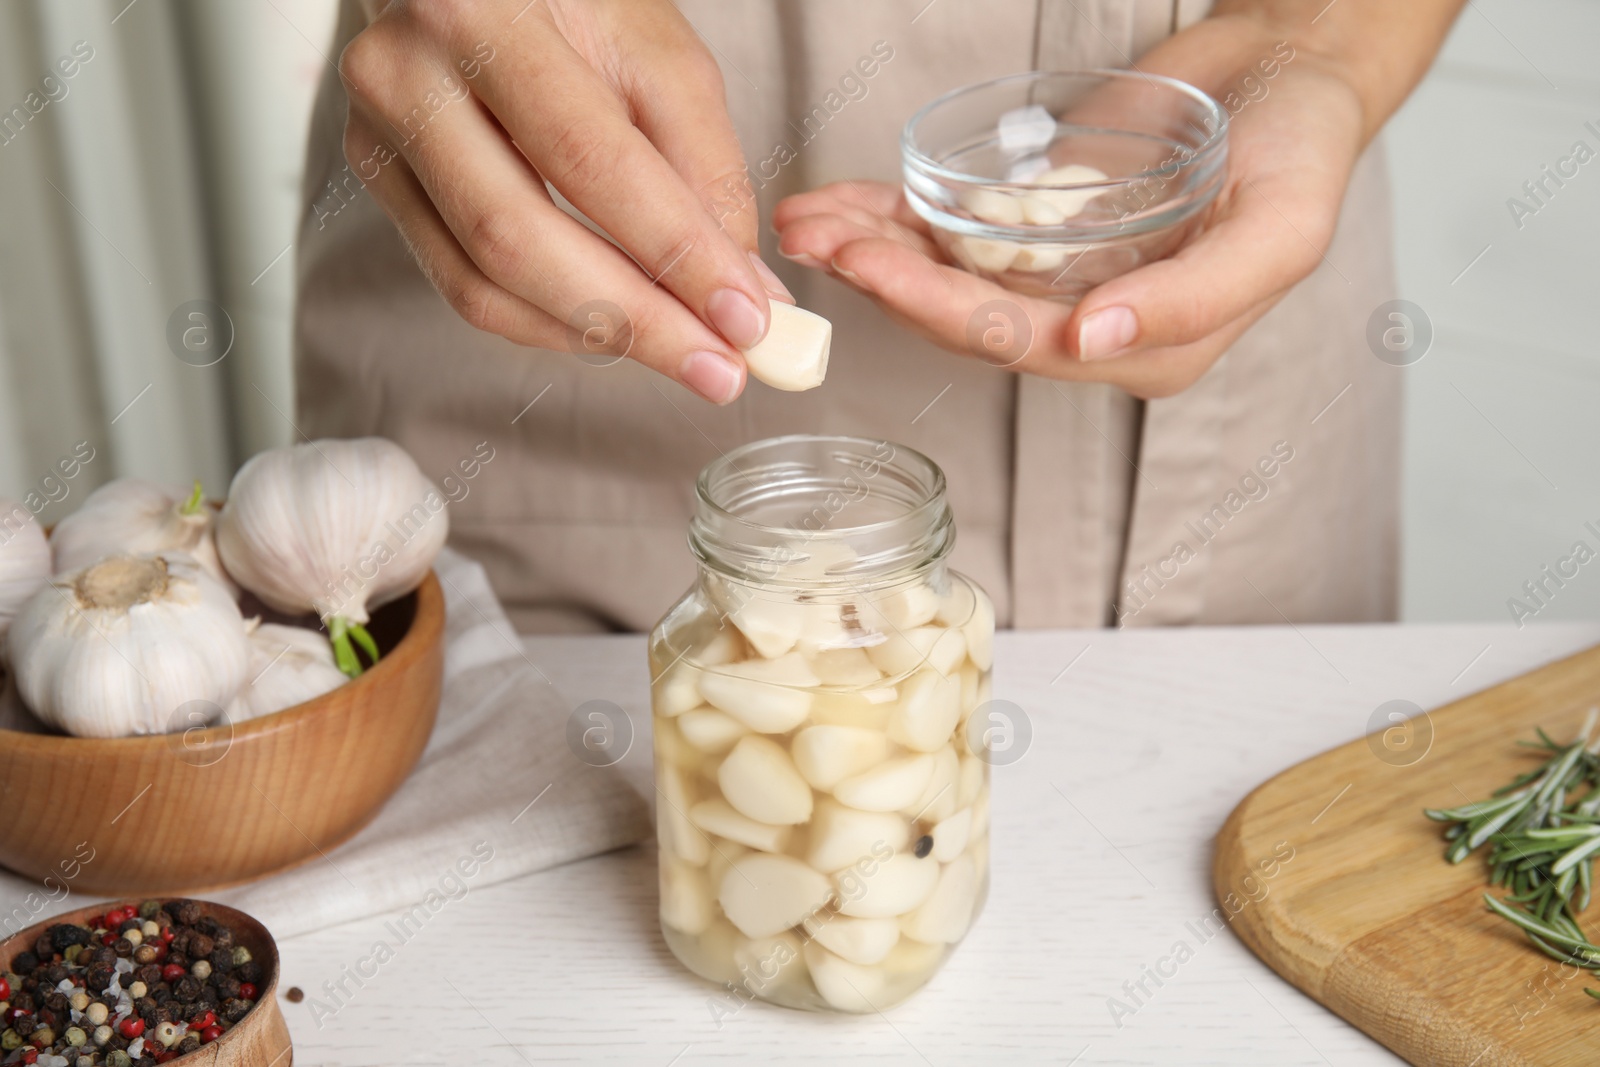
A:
[(132, 516), (335, 528), (130, 645), (24, 560), (793, 356), (289, 665)]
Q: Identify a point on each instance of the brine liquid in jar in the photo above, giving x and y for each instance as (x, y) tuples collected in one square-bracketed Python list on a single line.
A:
[(823, 820)]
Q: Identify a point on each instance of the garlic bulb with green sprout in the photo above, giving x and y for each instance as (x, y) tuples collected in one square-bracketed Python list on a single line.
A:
[(126, 645), (24, 560), (289, 665), (132, 516), (336, 528)]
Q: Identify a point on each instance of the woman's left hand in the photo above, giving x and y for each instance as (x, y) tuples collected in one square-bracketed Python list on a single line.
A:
[(1294, 139)]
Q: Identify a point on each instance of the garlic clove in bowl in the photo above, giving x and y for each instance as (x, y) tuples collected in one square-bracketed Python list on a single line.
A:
[(1068, 202)]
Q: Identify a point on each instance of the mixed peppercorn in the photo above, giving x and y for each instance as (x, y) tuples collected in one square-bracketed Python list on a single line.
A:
[(133, 987)]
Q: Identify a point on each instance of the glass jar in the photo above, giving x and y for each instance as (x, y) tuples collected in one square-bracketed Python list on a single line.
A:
[(823, 822)]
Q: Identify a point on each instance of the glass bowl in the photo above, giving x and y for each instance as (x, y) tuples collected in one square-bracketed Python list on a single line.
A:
[(1051, 182)]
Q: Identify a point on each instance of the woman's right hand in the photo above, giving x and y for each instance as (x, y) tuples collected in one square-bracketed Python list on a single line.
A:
[(461, 110)]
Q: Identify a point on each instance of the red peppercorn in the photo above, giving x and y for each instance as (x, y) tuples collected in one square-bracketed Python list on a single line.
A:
[(109, 940), (131, 1027), (5, 989), (168, 933), (30, 1056), (163, 1057), (247, 990), (172, 972), (200, 1022), (210, 1034)]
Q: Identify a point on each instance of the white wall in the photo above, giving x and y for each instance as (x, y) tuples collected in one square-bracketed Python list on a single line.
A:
[(1500, 463)]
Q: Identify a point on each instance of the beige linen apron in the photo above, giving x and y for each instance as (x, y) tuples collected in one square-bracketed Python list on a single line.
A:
[(1267, 491)]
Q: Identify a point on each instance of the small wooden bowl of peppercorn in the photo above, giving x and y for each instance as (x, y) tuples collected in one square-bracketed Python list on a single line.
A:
[(182, 813), (143, 982)]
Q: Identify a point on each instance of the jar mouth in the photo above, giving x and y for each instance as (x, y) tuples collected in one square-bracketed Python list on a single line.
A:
[(814, 511)]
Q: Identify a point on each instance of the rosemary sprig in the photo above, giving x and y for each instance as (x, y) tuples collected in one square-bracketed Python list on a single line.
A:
[(1543, 833)]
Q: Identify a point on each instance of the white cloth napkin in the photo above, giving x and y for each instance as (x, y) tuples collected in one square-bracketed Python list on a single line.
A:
[(497, 794)]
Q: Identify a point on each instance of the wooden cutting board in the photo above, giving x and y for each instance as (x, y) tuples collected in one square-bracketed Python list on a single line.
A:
[(1332, 875)]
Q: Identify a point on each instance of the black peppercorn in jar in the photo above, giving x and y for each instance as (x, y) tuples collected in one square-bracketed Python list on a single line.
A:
[(822, 820)]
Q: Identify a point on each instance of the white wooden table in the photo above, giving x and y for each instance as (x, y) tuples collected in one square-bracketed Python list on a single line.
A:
[(1143, 741)]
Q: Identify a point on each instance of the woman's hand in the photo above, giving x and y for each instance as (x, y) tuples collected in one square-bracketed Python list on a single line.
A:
[(461, 110), (1155, 330)]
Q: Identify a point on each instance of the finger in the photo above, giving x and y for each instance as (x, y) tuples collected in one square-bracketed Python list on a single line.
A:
[(816, 239), (678, 106), (862, 218), (481, 302), (960, 311), (676, 95), (1260, 248), (1153, 373), (878, 199), (505, 224), (966, 314), (577, 132)]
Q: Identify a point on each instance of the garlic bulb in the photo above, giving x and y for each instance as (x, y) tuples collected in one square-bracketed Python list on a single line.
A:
[(123, 646), (24, 560), (131, 516), (333, 527), (289, 665)]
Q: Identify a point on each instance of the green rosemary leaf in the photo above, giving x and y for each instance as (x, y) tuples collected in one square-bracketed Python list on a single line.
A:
[(1581, 948), (1557, 954), (1576, 855), (1484, 832)]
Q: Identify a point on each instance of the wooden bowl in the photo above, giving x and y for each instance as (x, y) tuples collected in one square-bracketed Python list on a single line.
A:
[(260, 1039), (177, 814)]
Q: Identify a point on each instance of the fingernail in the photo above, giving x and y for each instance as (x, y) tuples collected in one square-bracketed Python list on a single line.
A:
[(736, 317), (802, 258), (774, 284), (850, 276), (711, 375), (1106, 332)]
